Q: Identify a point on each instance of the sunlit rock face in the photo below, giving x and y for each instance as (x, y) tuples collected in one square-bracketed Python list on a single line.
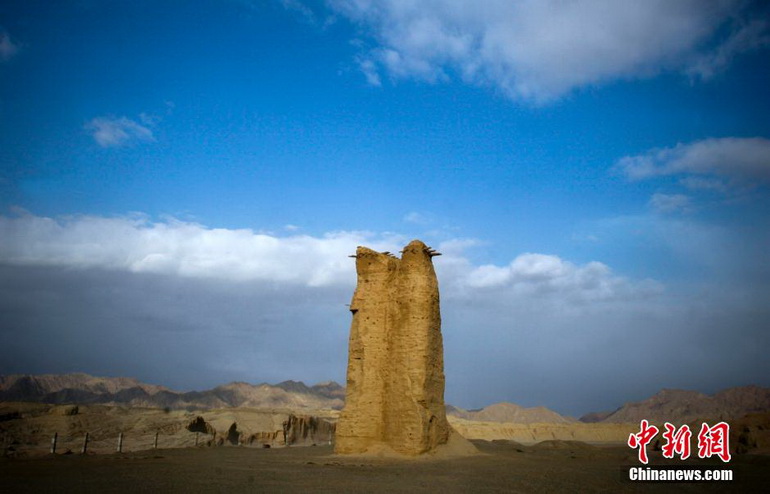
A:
[(395, 376)]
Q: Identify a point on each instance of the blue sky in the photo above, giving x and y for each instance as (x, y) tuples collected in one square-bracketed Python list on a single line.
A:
[(187, 175)]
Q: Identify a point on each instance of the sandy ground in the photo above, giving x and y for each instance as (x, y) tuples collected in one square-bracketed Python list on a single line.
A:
[(504, 466)]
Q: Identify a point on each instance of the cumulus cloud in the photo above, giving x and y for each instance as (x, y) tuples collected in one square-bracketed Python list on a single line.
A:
[(739, 159), (180, 248), (539, 51), (536, 274), (185, 249), (8, 49), (112, 131)]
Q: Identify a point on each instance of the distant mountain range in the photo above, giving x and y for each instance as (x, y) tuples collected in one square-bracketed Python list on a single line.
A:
[(676, 406), (86, 389), (680, 406), (509, 412)]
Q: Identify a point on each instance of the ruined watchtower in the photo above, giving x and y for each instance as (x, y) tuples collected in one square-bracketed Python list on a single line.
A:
[(395, 376)]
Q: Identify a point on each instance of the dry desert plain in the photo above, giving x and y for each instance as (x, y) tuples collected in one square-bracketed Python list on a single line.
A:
[(501, 466), (531, 464)]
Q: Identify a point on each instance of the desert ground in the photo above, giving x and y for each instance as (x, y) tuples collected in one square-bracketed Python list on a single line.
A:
[(501, 466), (542, 460)]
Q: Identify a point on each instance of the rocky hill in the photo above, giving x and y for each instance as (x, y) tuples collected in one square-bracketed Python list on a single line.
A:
[(509, 412), (86, 389), (680, 406), (28, 428)]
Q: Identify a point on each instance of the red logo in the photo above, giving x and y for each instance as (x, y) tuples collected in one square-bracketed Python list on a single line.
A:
[(711, 441), (714, 441), (642, 439), (676, 442)]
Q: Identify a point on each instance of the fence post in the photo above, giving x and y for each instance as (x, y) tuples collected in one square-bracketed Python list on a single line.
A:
[(53, 442), (155, 444), (120, 442), (85, 444)]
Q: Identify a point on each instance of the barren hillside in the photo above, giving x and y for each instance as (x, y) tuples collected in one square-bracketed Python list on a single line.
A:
[(86, 389)]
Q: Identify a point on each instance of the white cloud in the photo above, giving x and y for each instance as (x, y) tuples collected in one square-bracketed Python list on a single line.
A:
[(539, 274), (539, 51), (749, 37), (178, 248), (120, 131), (670, 203), (740, 159), (7, 47), (369, 69)]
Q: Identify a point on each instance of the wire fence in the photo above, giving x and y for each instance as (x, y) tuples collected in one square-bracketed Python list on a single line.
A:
[(101, 443)]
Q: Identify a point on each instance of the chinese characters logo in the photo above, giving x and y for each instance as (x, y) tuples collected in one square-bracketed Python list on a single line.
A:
[(712, 441)]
